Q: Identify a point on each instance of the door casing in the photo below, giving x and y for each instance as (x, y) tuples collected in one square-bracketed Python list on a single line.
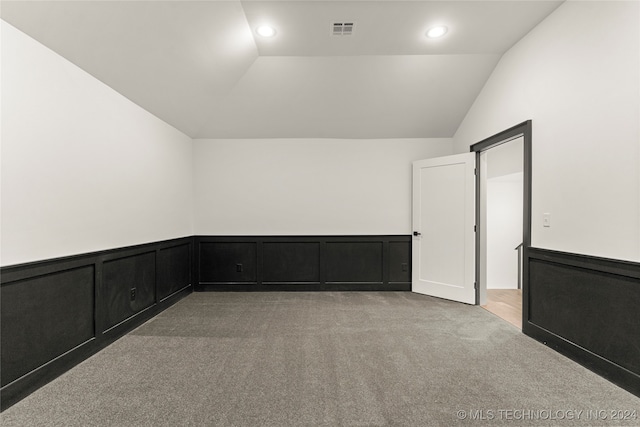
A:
[(523, 129)]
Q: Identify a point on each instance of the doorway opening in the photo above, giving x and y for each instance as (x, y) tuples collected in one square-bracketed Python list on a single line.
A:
[(501, 189), (504, 225)]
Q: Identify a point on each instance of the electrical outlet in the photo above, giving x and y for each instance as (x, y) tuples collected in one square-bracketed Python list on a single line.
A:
[(405, 266), (133, 294), (546, 220), (239, 268)]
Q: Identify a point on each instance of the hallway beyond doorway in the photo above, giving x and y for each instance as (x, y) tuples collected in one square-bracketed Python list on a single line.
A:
[(506, 304)]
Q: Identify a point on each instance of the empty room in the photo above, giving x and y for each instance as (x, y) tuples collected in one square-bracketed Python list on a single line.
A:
[(320, 213)]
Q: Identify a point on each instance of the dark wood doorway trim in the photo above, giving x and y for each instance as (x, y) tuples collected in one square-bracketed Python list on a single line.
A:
[(523, 129)]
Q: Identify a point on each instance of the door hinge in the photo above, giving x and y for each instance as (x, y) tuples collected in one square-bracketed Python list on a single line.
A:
[(475, 229), (475, 285), (475, 171)]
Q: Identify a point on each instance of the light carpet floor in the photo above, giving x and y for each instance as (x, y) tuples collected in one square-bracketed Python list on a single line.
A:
[(325, 359)]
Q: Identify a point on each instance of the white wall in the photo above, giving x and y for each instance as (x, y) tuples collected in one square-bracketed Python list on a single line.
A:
[(307, 186), (576, 76), (504, 230), (83, 168), (504, 202)]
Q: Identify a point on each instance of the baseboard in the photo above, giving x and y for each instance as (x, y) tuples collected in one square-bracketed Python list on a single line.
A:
[(56, 313), (588, 309), (304, 287)]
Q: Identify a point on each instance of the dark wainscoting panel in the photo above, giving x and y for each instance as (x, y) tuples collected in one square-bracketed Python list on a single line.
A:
[(353, 261), (52, 327), (588, 309), (58, 312), (228, 262), (291, 262), (303, 263), (399, 267), (129, 286), (174, 269)]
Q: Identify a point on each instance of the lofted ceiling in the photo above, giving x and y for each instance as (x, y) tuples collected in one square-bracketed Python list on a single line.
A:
[(200, 66)]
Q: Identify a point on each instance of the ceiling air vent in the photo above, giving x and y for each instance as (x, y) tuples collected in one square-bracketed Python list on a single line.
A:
[(342, 28)]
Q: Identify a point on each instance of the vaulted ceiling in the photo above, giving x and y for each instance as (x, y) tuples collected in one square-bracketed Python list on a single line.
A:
[(201, 67)]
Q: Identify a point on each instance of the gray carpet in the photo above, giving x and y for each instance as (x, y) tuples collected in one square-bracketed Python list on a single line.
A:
[(325, 359)]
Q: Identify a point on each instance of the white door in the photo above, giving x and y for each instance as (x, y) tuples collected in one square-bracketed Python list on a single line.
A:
[(444, 212)]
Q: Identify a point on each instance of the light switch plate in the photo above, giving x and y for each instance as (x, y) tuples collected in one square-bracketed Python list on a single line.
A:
[(546, 220)]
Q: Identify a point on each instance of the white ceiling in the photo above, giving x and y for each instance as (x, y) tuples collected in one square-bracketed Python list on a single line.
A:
[(198, 65)]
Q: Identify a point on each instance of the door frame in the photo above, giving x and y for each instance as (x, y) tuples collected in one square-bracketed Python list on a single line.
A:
[(523, 129)]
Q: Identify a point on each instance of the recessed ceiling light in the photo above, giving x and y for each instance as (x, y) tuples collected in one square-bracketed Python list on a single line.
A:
[(436, 32), (266, 31)]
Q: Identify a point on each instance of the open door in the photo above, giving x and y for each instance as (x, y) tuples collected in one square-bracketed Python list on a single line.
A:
[(444, 214)]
